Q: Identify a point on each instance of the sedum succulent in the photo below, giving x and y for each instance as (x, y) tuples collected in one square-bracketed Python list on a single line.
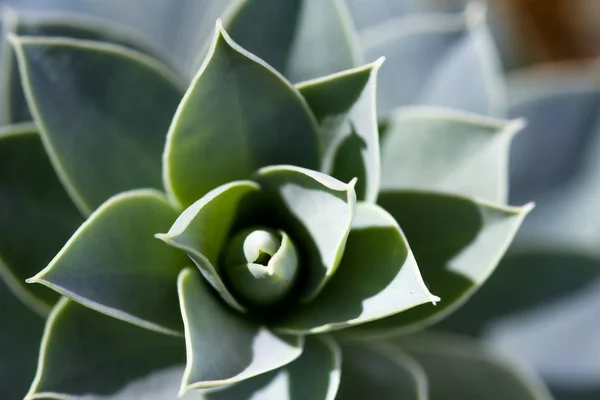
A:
[(245, 222)]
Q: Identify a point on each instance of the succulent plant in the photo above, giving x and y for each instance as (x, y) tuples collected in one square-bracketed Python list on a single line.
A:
[(246, 222)]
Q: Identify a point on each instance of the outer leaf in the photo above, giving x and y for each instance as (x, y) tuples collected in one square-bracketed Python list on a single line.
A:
[(36, 215), (160, 385), (222, 347), (239, 106), (316, 210), (86, 353), (560, 104), (536, 336), (460, 369), (448, 151), (20, 333), (315, 375), (325, 41), (344, 105), (265, 28), (114, 264), (380, 372), (542, 279), (62, 25), (203, 228), (124, 102), (377, 277), (431, 58), (457, 243)]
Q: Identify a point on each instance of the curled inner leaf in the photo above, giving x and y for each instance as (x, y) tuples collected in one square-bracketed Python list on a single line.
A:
[(261, 265)]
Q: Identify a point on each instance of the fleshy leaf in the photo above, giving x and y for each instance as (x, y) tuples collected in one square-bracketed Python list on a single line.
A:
[(325, 41), (114, 264), (36, 215), (438, 56), (60, 25), (239, 106), (448, 151), (202, 229), (458, 368), (162, 384), (222, 346), (266, 28), (344, 105), (377, 277), (124, 102), (542, 280), (316, 210), (560, 104), (20, 335), (380, 371), (457, 243), (315, 375), (86, 353)]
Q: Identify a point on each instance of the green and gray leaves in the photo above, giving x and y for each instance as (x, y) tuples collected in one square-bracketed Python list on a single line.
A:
[(230, 109), (116, 141)]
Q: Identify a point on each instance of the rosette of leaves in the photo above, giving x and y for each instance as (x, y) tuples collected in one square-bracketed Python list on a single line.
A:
[(244, 225)]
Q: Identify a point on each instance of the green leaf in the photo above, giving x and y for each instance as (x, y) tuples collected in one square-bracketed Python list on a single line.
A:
[(315, 375), (380, 371), (36, 215), (458, 368), (325, 41), (377, 277), (303, 39), (448, 151), (60, 25), (316, 210), (344, 105), (86, 353), (222, 346), (162, 384), (123, 101), (20, 335), (457, 243), (554, 99), (239, 106), (114, 264), (266, 28), (542, 279), (432, 58), (203, 229)]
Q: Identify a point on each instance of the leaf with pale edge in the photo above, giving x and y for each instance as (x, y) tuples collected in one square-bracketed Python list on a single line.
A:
[(115, 265), (87, 353)]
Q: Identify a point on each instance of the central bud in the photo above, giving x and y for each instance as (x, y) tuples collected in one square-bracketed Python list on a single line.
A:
[(261, 266)]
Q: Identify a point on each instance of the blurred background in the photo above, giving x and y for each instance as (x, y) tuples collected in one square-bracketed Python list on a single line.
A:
[(543, 303)]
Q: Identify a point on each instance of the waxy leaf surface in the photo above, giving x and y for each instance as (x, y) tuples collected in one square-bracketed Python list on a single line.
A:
[(203, 229), (443, 150), (102, 111), (36, 215), (20, 334), (224, 347), (86, 353), (457, 368), (115, 265), (344, 105), (380, 372), (457, 243), (66, 25), (314, 375), (443, 60), (239, 106), (316, 210), (377, 277)]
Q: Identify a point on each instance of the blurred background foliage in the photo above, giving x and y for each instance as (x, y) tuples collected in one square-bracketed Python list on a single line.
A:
[(543, 303)]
